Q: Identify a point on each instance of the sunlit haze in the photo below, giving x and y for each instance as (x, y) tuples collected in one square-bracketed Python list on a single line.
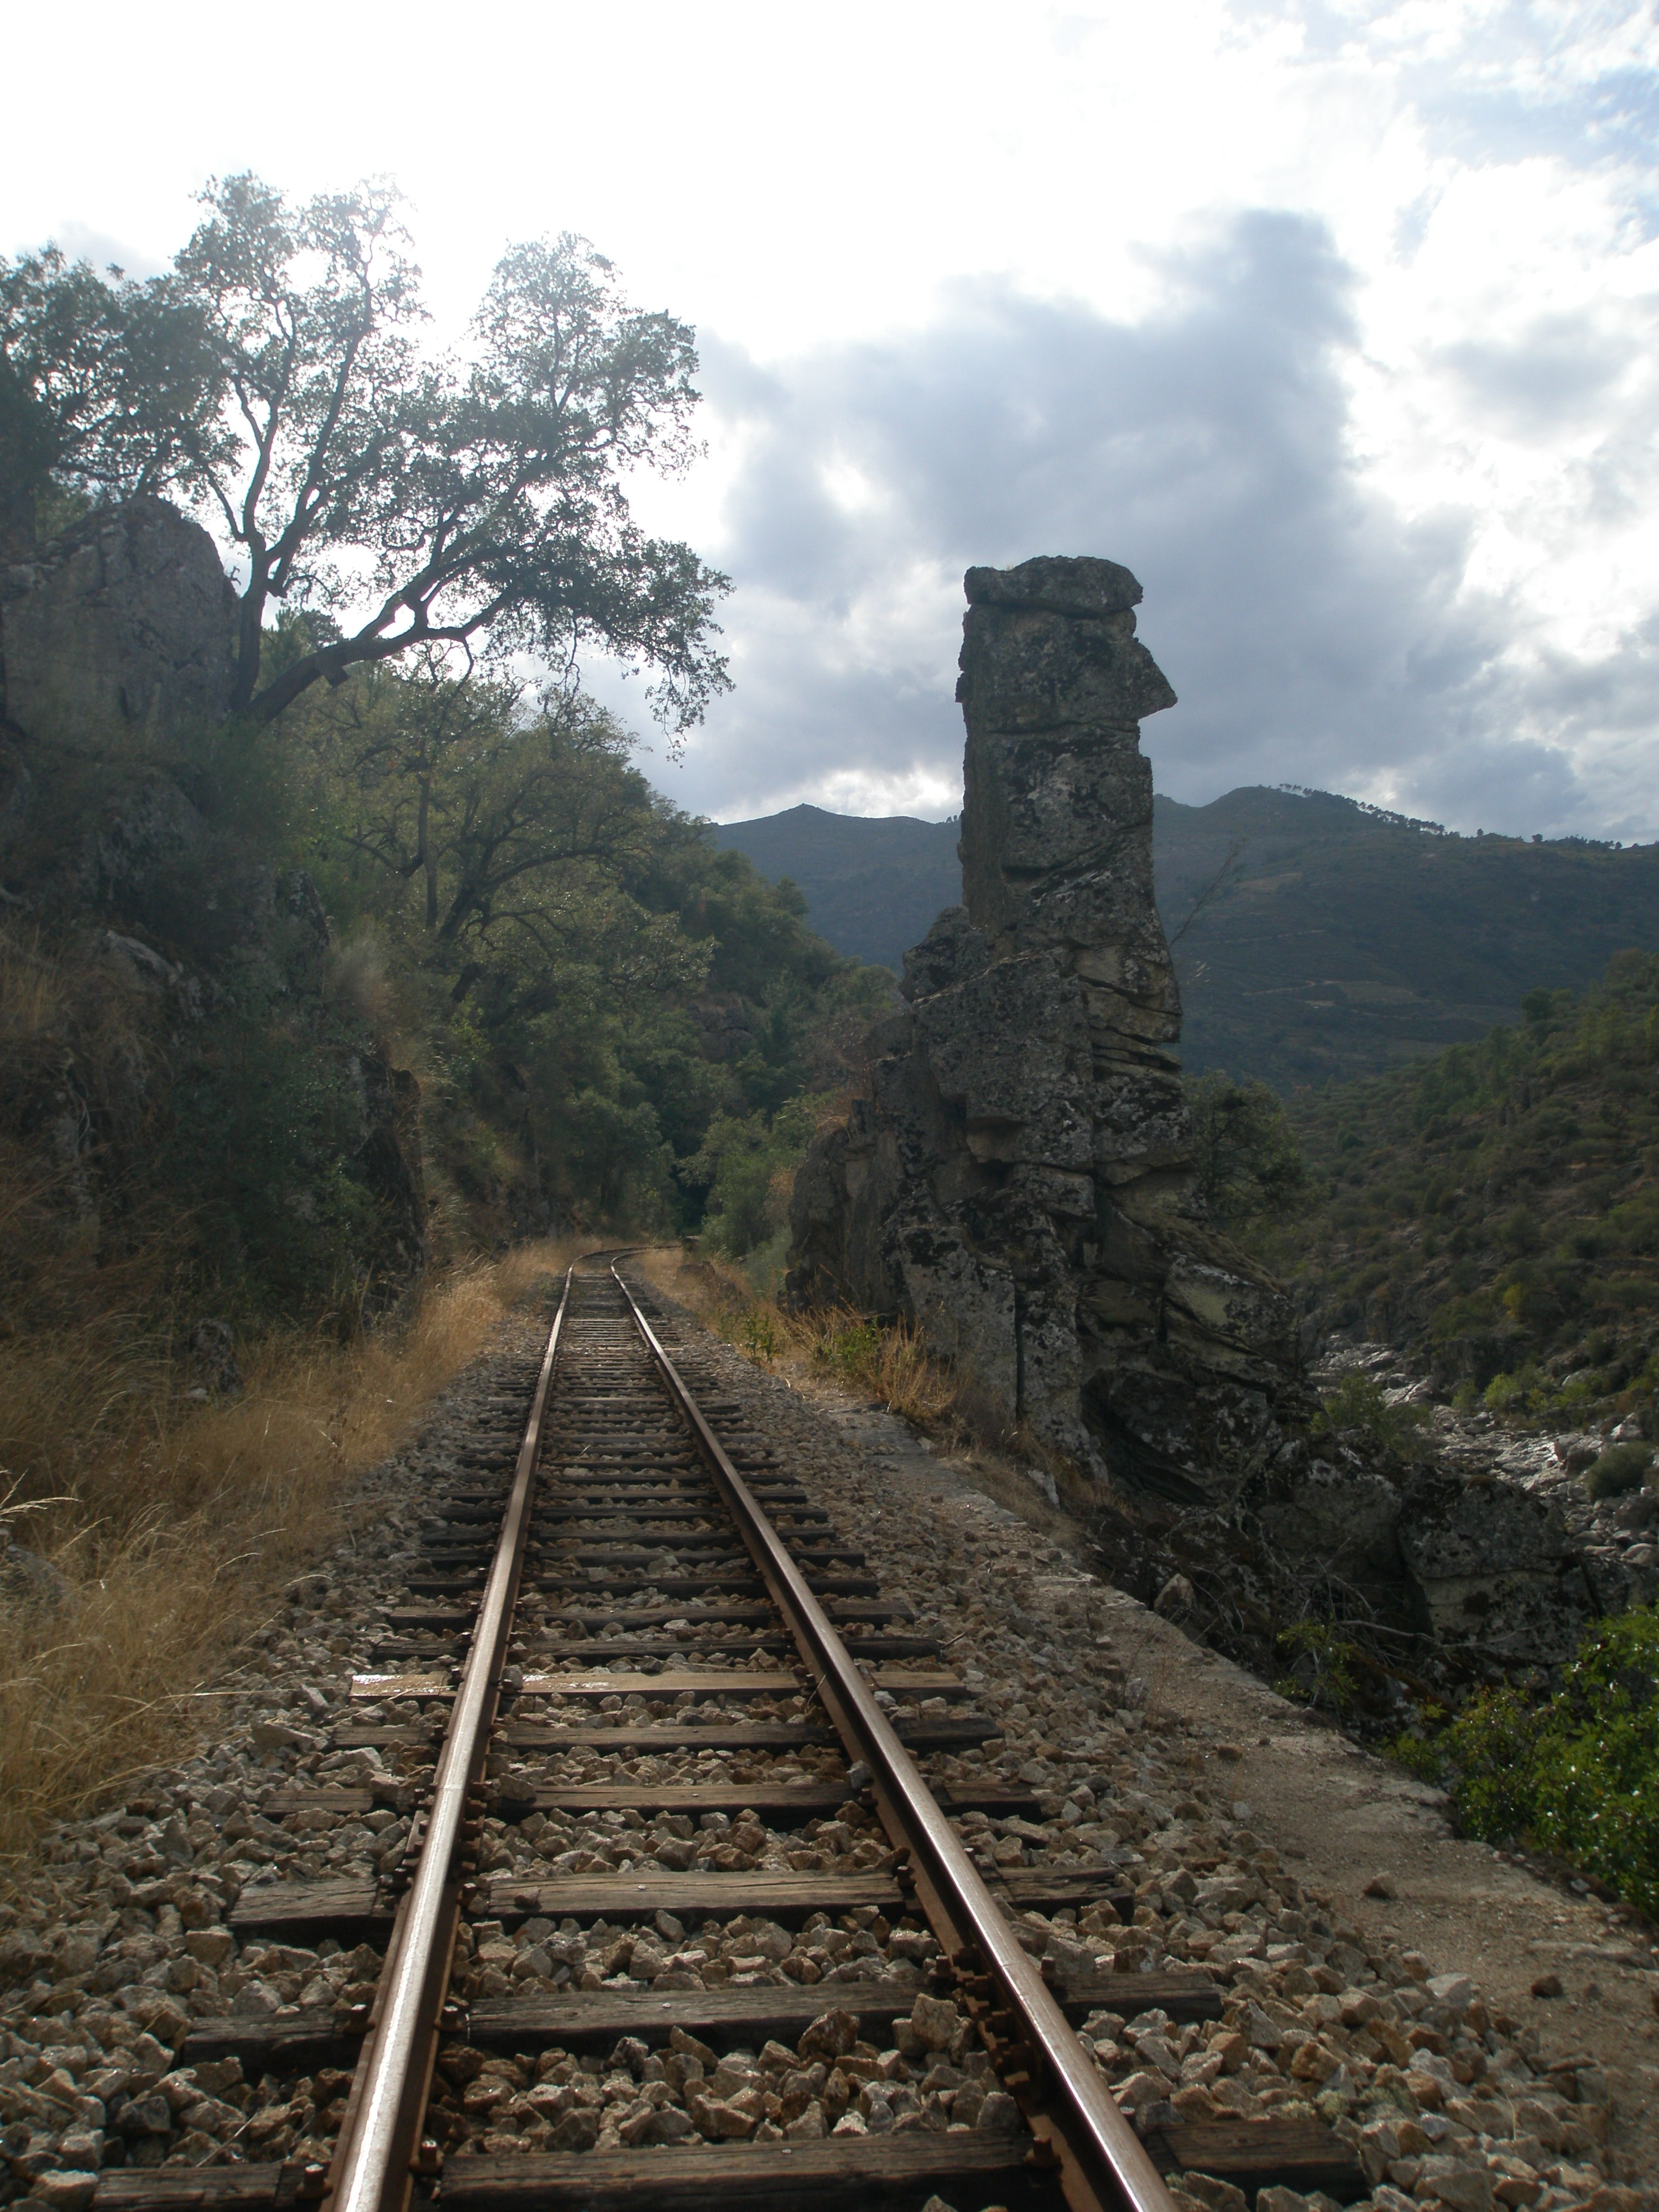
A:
[(1333, 323)]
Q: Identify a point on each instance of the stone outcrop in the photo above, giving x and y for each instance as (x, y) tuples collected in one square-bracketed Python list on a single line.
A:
[(180, 946), (128, 617), (1019, 1179)]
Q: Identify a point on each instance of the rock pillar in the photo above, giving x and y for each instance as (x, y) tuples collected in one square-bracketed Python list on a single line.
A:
[(1019, 1178)]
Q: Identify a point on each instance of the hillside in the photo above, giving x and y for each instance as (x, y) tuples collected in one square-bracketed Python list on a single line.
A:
[(873, 886), (1330, 941), (1342, 942), (1494, 1213)]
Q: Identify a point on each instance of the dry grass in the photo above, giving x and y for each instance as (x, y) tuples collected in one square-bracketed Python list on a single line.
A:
[(175, 1524), (888, 1361)]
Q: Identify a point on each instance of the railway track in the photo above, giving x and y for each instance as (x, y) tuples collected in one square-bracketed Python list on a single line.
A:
[(780, 1978)]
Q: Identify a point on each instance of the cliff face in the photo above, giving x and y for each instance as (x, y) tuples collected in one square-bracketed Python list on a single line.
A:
[(1020, 1178), (196, 1062), (127, 618)]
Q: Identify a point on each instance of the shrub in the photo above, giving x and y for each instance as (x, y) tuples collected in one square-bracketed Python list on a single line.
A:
[(1360, 1402), (761, 1339), (1322, 1671), (1250, 1167), (1577, 1775), (1526, 1391), (1621, 1468)]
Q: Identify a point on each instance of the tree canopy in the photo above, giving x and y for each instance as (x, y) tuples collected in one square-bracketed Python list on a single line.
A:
[(641, 1011), (472, 500), (108, 387)]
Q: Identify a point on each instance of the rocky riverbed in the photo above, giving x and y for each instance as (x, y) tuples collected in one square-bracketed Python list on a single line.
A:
[(1141, 1753)]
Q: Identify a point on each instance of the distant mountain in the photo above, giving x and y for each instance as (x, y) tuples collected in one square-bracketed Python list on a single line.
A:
[(1332, 940), (1315, 937), (872, 883)]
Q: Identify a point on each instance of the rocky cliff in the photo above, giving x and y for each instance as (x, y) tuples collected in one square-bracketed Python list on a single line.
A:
[(185, 1055), (1020, 1177), (1018, 1181), (126, 618)]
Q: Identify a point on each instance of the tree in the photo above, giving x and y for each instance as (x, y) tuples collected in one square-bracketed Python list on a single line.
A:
[(513, 828), (485, 494), (472, 501), (1249, 1166), (108, 387)]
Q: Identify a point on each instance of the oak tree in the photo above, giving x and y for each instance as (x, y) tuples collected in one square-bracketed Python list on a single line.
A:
[(473, 500)]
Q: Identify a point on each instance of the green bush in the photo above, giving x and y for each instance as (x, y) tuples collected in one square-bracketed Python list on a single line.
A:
[(1360, 1402), (1322, 1671), (1526, 1391), (1577, 1775), (1621, 1468), (850, 1347)]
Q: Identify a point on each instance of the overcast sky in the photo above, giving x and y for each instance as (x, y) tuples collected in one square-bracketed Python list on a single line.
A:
[(1334, 323)]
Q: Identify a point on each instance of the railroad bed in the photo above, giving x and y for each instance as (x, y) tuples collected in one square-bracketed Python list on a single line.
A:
[(696, 1879)]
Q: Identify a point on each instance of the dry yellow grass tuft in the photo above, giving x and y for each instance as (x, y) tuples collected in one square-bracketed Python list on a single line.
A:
[(174, 1524), (888, 1360)]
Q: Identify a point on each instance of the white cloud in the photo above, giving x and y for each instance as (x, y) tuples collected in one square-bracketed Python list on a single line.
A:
[(1333, 317)]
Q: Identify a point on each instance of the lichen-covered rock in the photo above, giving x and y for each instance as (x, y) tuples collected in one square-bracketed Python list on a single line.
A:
[(1493, 1564), (1020, 1179), (128, 617)]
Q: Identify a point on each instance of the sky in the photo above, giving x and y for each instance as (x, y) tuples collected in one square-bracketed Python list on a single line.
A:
[(1334, 323)]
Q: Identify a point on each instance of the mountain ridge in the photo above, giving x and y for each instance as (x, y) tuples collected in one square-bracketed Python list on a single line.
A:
[(1318, 938)]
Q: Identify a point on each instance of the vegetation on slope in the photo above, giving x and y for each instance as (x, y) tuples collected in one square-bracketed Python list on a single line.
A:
[(1496, 1210), (390, 965), (1317, 939), (1575, 1776), (1321, 940), (612, 1016), (1494, 1213)]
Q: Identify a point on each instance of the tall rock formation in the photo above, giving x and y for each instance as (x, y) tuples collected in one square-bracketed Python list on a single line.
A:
[(1019, 1178), (116, 646)]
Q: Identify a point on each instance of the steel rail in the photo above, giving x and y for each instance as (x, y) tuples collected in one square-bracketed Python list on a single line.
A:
[(373, 2164), (1102, 2161)]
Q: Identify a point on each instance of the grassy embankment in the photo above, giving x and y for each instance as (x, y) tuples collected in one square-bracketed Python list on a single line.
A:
[(175, 1523)]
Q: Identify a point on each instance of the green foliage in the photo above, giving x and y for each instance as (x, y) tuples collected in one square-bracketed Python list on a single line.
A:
[(759, 1331), (1578, 1775), (746, 1166), (1323, 1672), (1249, 1165), (1620, 1469), (108, 388), (476, 500), (1499, 1205), (1526, 1391), (850, 1345), (1360, 1403)]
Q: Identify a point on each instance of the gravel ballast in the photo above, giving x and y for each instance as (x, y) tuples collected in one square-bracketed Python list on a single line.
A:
[(116, 1943)]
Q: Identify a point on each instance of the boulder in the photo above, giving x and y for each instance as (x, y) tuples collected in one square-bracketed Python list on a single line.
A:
[(127, 618), (1492, 1563)]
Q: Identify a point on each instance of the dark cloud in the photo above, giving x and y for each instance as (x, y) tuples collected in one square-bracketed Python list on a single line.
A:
[(1313, 634)]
